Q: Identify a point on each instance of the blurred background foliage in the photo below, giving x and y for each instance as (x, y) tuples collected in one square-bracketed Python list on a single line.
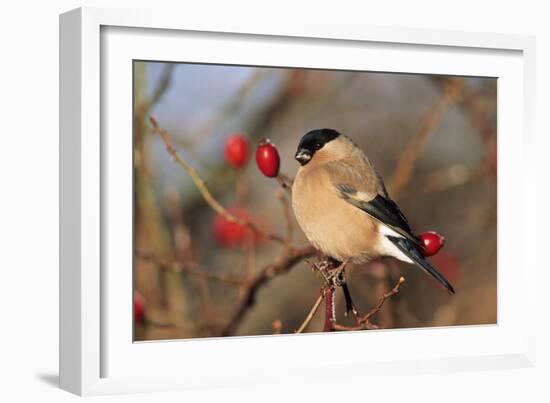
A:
[(433, 138)]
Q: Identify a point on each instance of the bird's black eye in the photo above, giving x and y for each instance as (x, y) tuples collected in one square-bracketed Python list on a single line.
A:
[(318, 146)]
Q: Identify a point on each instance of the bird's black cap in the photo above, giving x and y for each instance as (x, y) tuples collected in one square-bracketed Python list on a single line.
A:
[(312, 141)]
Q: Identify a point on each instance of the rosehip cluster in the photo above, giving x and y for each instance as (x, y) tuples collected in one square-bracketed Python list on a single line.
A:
[(236, 153)]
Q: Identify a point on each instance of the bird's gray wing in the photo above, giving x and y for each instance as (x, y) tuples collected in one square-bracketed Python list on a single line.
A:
[(364, 190)]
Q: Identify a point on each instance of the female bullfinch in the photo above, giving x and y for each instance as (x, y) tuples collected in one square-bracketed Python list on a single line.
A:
[(343, 208)]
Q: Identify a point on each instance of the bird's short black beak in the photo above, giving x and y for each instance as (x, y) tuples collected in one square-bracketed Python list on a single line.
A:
[(303, 156)]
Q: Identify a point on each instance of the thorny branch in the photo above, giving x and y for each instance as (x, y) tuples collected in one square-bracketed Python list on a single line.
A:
[(201, 186), (176, 267), (163, 84), (312, 312), (327, 294), (282, 265), (363, 322), (249, 288)]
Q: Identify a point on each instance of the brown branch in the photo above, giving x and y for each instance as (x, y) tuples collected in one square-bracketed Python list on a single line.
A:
[(230, 108), (380, 304), (364, 321), (250, 262), (162, 85), (408, 158), (201, 186), (312, 312), (485, 128), (284, 264), (176, 267)]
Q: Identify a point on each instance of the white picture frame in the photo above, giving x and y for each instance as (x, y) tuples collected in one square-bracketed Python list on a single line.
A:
[(96, 354)]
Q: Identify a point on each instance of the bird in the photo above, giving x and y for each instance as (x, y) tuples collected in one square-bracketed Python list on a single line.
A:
[(344, 209)]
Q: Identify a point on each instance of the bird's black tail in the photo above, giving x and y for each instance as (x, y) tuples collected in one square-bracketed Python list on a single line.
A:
[(411, 250)]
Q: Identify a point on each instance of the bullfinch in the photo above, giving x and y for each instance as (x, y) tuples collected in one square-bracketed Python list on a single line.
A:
[(343, 207)]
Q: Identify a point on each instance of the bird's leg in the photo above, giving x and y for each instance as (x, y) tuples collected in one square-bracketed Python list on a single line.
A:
[(333, 273), (350, 306), (338, 278), (341, 281), (337, 274), (330, 269)]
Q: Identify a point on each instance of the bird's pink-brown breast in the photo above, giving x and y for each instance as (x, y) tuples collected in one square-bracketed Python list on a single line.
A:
[(332, 225)]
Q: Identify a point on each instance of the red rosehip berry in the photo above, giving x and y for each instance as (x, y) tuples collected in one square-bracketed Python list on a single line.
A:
[(236, 150), (432, 242), (231, 234), (139, 308), (267, 158)]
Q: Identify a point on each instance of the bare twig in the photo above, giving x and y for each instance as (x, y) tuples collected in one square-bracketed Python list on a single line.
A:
[(407, 159), (230, 108), (364, 321), (387, 295), (163, 84), (250, 262), (485, 128), (201, 186), (312, 312), (177, 268)]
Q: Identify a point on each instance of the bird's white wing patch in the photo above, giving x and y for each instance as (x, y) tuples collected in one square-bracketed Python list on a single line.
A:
[(362, 196), (386, 248), (385, 230)]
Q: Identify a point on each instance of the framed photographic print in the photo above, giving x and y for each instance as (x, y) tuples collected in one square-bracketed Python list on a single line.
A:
[(238, 201)]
